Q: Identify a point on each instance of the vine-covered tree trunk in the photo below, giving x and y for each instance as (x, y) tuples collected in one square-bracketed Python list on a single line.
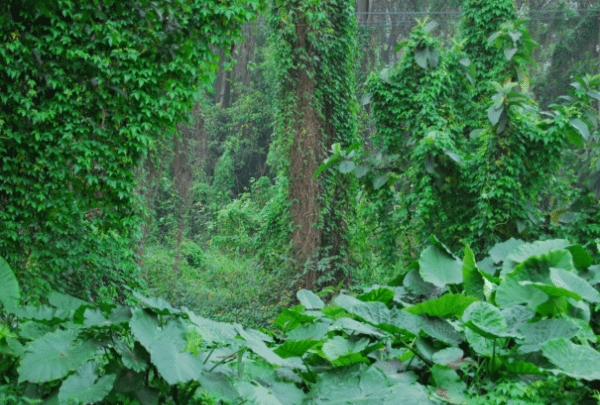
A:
[(315, 46), (305, 156)]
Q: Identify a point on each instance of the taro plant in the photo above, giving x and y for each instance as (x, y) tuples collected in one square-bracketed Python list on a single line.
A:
[(449, 330)]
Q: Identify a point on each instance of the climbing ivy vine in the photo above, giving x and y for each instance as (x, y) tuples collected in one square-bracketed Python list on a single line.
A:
[(85, 87)]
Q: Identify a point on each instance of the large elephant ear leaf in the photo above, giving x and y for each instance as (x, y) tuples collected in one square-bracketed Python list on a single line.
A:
[(10, 295), (83, 386)]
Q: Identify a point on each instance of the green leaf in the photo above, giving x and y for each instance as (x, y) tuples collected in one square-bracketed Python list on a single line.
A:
[(361, 171), (422, 57), (289, 319), (487, 321), (449, 386), (572, 282), (382, 294), (510, 52), (453, 156), (472, 278), (42, 313), (260, 348), (450, 356), (350, 326), (166, 346), (416, 285), (510, 293), (442, 330), (581, 258), (500, 251), (494, 114), (309, 299), (582, 128), (83, 387), (594, 94), (212, 331), (377, 314), (516, 316), (535, 334), (137, 359), (347, 166), (32, 330), (527, 250), (66, 302), (294, 348), (10, 295), (447, 306), (521, 367), (159, 305), (337, 347), (433, 57), (380, 180), (256, 394), (53, 356), (400, 46), (581, 362), (439, 268), (315, 331)]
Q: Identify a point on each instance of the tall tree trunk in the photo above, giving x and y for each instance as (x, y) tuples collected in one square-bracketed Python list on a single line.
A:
[(305, 157)]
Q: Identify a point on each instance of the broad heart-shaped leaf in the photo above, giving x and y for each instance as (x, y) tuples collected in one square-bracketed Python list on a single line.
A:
[(448, 356), (159, 305), (66, 302), (294, 348), (291, 319), (441, 329), (572, 282), (349, 324), (260, 348), (53, 356), (449, 386), (510, 293), (535, 334), (447, 306), (83, 387), (43, 314), (10, 295), (95, 317), (582, 128), (472, 278), (347, 385), (166, 346), (516, 316), (338, 346), (377, 314), (309, 299), (537, 268), (581, 362), (381, 294), (487, 321), (315, 331), (527, 250), (416, 285), (268, 377), (32, 330), (256, 394), (581, 258), (439, 268), (212, 331), (501, 250), (553, 291), (137, 359)]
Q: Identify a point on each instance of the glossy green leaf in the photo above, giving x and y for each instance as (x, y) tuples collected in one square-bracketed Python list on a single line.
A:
[(351, 326), (582, 128), (166, 346), (447, 306), (501, 250), (294, 348), (381, 294), (309, 299), (581, 362), (442, 330), (346, 166), (159, 305), (10, 295), (83, 387), (472, 278), (415, 284), (450, 356), (439, 268), (521, 367), (449, 385), (260, 348), (572, 282), (53, 356), (487, 321), (581, 258), (536, 333)]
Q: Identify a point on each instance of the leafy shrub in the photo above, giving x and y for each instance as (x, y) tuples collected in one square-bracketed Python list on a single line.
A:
[(449, 330)]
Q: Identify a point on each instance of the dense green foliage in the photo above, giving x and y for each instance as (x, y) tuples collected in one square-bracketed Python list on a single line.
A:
[(444, 331), (85, 89), (469, 169), (124, 176)]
